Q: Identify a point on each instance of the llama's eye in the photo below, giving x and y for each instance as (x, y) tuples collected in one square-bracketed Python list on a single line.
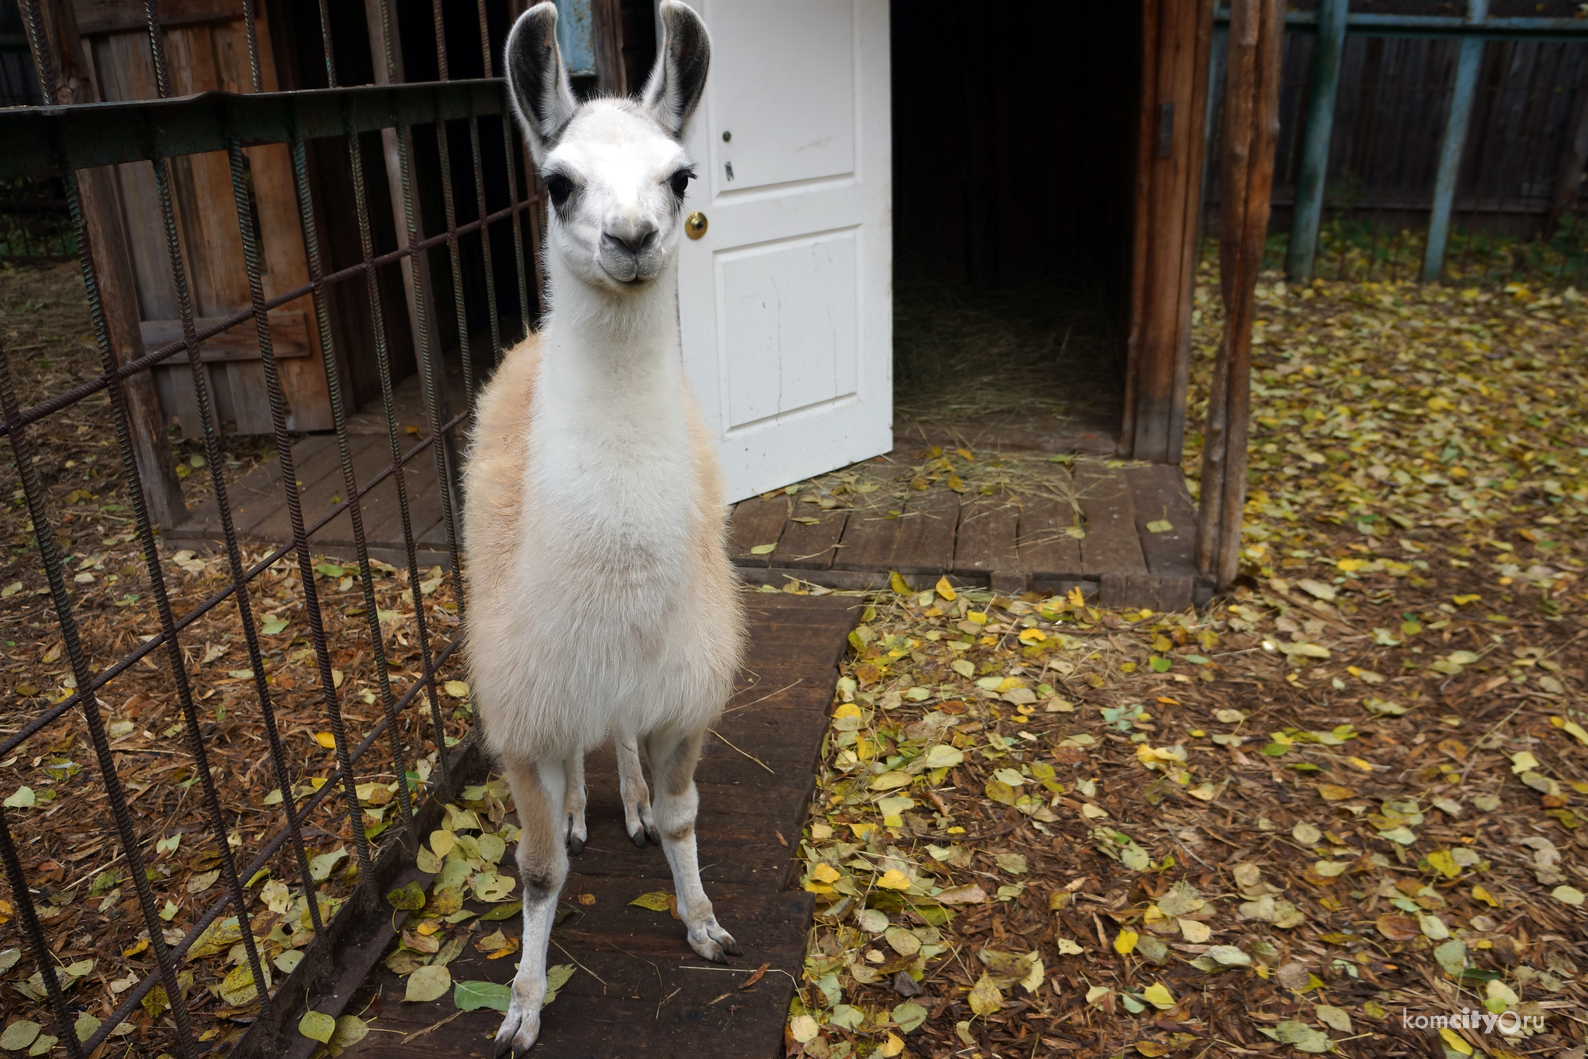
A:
[(559, 187), (680, 182)]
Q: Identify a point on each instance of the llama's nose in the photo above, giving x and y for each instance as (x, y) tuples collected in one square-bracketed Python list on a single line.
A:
[(630, 235)]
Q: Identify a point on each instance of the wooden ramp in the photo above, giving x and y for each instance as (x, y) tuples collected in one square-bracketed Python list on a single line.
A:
[(640, 990)]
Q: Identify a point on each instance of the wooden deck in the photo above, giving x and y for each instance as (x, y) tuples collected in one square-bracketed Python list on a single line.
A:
[(1096, 540), (640, 990), (1081, 525)]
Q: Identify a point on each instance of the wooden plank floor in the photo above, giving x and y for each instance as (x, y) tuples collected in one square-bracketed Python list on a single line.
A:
[(259, 502), (642, 991), (1100, 543)]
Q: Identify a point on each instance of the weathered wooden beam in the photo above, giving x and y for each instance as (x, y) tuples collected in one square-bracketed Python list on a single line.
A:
[(1454, 143), (1177, 39), (108, 268), (1251, 131), (1322, 88)]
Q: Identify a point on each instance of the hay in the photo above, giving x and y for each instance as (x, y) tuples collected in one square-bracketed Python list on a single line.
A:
[(1041, 355)]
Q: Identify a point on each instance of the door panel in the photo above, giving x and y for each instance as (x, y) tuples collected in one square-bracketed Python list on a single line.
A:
[(789, 314), (786, 302), (791, 118)]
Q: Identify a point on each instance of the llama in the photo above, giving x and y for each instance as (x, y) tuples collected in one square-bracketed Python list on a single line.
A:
[(602, 603)]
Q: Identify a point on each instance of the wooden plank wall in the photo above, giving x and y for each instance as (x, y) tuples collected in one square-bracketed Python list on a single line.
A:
[(1176, 38), (1390, 113), (207, 50)]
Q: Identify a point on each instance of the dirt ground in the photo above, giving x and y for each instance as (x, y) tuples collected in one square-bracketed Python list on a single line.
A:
[(1344, 802)]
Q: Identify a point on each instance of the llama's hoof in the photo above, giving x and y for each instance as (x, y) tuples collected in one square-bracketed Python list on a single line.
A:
[(653, 834), (713, 943), (517, 1034), (637, 836), (576, 834), (575, 845)]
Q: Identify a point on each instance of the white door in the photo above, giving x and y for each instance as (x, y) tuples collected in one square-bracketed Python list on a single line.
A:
[(787, 300)]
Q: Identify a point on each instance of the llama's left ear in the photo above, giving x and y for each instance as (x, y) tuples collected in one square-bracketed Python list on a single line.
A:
[(679, 80), (538, 80)]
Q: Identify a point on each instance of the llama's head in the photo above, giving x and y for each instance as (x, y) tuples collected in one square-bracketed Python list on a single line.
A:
[(614, 169)]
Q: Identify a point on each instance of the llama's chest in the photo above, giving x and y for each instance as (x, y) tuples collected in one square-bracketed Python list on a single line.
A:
[(612, 515)]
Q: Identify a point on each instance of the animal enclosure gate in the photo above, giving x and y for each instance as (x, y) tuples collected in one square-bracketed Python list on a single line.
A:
[(404, 729)]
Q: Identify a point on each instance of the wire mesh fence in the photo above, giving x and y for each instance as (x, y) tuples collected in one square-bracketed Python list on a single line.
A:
[(206, 859)]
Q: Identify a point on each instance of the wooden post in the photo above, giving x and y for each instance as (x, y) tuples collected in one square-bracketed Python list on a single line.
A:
[(1177, 38), (1454, 143), (1251, 130), (1322, 88), (610, 76), (118, 292)]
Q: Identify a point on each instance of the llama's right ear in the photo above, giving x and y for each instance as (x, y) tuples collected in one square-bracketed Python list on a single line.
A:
[(679, 79), (541, 94)]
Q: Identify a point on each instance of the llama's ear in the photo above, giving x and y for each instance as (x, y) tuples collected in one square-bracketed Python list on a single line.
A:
[(538, 80), (679, 79)]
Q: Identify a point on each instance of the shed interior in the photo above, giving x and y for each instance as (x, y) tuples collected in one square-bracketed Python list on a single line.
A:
[(1014, 143)]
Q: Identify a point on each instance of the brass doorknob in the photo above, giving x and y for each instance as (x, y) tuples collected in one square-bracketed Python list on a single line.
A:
[(695, 225)]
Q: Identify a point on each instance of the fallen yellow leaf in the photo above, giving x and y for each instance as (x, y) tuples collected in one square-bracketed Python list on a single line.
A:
[(1125, 942), (1158, 996)]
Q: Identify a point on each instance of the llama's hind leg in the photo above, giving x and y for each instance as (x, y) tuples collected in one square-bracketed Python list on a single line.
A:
[(673, 767), (574, 803), (538, 790), (637, 817)]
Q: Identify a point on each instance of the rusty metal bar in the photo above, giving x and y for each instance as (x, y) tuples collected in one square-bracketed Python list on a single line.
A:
[(383, 360), (96, 134)]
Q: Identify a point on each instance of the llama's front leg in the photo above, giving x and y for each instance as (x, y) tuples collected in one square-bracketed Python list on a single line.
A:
[(574, 802), (677, 800), (637, 817), (538, 791)]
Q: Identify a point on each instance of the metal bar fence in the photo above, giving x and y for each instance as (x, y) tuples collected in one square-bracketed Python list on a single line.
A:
[(65, 140)]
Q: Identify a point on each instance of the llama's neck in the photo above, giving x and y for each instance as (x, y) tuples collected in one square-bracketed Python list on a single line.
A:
[(609, 399)]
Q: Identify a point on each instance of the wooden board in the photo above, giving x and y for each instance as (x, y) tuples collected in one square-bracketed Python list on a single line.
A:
[(918, 541), (811, 546), (985, 540), (639, 990), (754, 523), (1047, 548), (1110, 545)]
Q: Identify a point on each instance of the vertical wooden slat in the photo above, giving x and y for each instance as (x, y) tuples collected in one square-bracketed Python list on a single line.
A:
[(1568, 179), (1177, 38), (118, 288), (610, 75), (1251, 131)]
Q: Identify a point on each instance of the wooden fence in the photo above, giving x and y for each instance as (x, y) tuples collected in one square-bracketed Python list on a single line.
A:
[(1389, 119)]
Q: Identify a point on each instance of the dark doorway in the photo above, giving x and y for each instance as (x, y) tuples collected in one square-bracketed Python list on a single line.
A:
[(1014, 134)]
